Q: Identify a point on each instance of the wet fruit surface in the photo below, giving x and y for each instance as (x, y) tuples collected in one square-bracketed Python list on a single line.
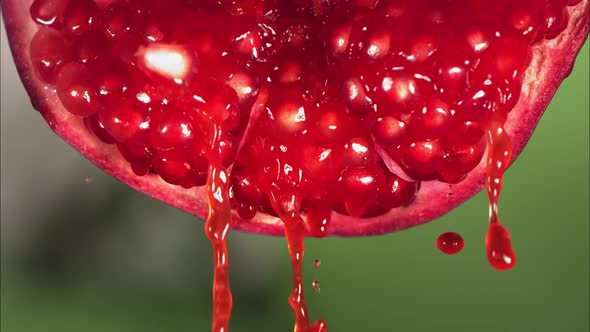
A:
[(350, 89), (304, 110)]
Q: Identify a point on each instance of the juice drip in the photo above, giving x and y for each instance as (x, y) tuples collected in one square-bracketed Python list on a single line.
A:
[(294, 232), (217, 227), (498, 245), (287, 206)]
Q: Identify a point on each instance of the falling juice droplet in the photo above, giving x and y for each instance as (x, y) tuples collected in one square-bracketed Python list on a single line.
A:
[(316, 263), (319, 326), (499, 248), (450, 194), (316, 285), (87, 179), (450, 243), (217, 227), (498, 245)]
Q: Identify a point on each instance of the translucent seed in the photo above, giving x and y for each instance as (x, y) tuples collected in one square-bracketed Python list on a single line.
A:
[(76, 90), (79, 17), (123, 121), (117, 21), (389, 131), (48, 12), (318, 221), (49, 51)]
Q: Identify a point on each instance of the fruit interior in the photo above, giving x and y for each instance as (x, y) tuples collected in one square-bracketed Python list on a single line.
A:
[(323, 108), (298, 108)]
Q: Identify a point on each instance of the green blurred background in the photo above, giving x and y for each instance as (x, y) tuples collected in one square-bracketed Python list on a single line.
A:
[(98, 256)]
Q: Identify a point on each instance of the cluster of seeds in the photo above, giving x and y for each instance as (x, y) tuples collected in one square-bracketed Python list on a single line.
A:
[(354, 89)]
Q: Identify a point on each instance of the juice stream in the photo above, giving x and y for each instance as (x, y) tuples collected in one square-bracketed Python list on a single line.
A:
[(217, 227)]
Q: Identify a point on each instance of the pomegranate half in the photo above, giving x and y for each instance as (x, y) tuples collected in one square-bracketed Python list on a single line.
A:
[(551, 60)]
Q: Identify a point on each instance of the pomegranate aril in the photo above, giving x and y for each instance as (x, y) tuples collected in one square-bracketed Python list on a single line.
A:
[(378, 44), (246, 211), (454, 61), (288, 118), (354, 96), (359, 188), (420, 158), (48, 12), (93, 123), (398, 88), (396, 192), (173, 171), (117, 21), (216, 103), (76, 90), (556, 19), (290, 72), (480, 105), (125, 122), (319, 163), (525, 20), (90, 47), (334, 124), (462, 134), (245, 85), (138, 157), (359, 152), (508, 57), (248, 45), (389, 131), (173, 128), (339, 39), (79, 16), (430, 120), (152, 33), (49, 52), (455, 165), (245, 189), (318, 221), (422, 48), (478, 39), (112, 76)]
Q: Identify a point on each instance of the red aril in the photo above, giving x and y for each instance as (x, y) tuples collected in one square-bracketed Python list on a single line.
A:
[(356, 115)]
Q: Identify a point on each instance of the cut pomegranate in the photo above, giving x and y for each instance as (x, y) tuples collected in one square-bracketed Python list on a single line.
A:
[(412, 104), (299, 117)]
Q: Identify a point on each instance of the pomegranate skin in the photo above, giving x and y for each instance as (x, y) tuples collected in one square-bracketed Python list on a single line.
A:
[(551, 63)]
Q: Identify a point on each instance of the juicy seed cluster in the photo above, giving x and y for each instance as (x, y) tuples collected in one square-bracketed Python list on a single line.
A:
[(346, 89)]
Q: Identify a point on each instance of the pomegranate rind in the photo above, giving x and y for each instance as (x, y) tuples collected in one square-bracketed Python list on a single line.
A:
[(551, 63)]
